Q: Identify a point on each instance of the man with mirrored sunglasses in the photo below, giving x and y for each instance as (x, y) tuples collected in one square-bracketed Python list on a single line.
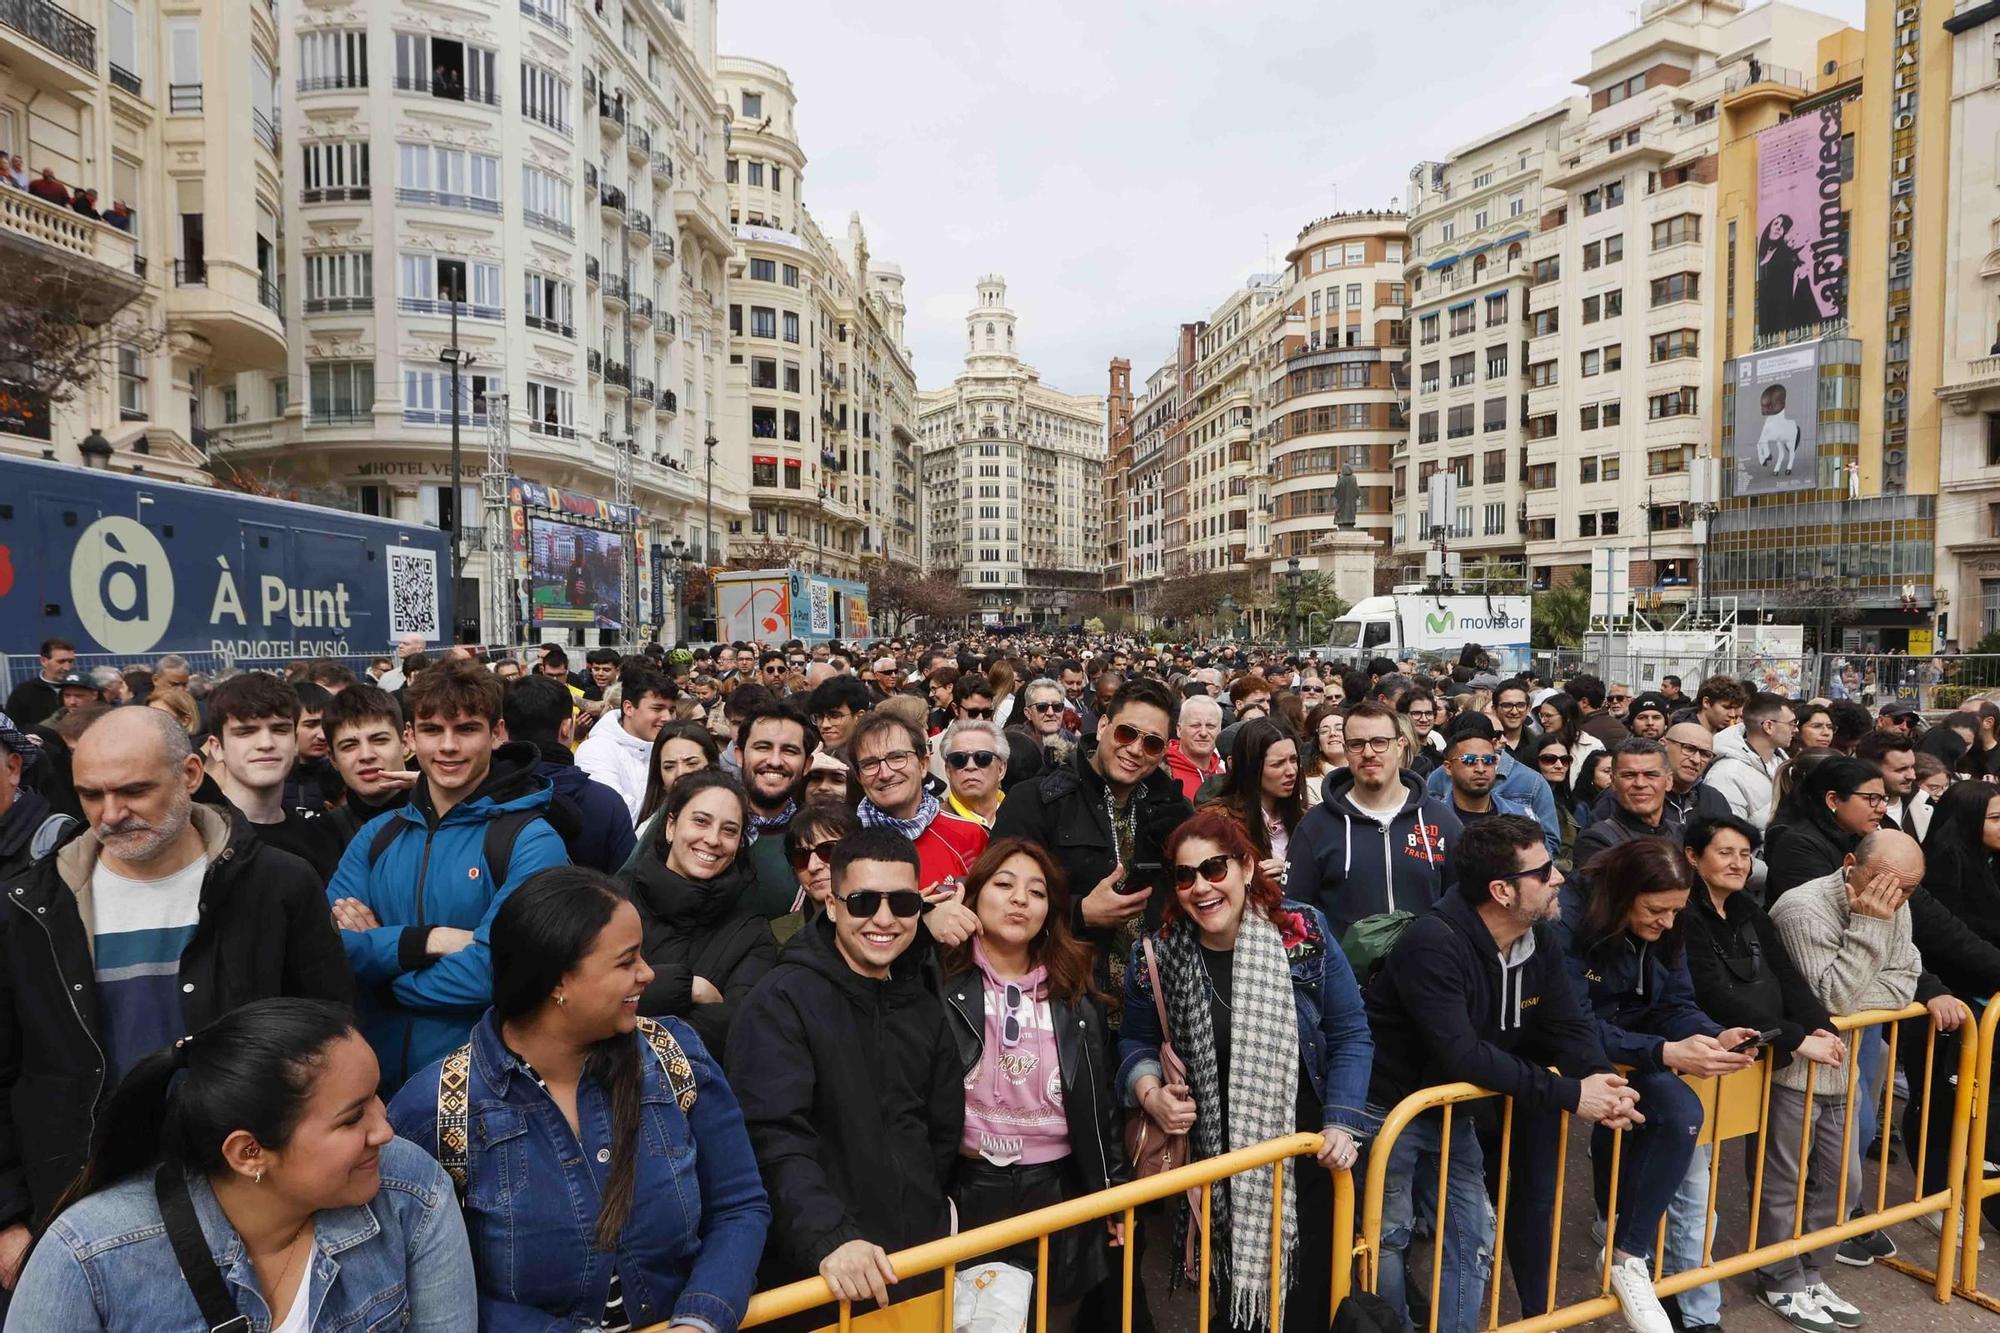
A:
[(850, 1084), (1472, 768), (975, 759)]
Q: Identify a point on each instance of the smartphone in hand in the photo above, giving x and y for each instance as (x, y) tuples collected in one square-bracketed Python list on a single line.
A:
[(1762, 1039)]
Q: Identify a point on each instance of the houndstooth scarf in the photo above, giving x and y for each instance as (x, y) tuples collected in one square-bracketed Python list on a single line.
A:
[(762, 824), (1262, 1101), (872, 815)]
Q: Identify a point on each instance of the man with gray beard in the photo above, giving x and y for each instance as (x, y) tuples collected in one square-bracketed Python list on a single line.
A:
[(161, 917)]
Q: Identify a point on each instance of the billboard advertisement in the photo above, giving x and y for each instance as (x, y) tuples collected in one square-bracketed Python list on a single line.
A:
[(754, 606), (576, 575), (1801, 234), (1774, 445), (1440, 627)]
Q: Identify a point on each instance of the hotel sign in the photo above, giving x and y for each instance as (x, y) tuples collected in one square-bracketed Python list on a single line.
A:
[(1905, 72)]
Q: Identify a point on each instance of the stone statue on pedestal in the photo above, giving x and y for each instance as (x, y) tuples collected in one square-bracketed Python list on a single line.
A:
[(1346, 497)]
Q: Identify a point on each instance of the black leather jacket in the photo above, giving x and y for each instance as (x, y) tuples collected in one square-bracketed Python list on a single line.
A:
[(1096, 1134)]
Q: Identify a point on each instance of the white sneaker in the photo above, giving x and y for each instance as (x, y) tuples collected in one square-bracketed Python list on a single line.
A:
[(1833, 1307), (1799, 1309), (1632, 1284), (1934, 1223)]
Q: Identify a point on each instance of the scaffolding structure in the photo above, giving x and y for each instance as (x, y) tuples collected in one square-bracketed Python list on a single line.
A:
[(500, 589)]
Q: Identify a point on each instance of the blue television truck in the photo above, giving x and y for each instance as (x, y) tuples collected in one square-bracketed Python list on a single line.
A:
[(128, 566)]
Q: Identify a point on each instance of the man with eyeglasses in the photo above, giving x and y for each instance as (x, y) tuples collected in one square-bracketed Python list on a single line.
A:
[(771, 670), (1510, 707), (849, 1083), (1472, 768), (975, 759), (1479, 990), (1105, 817), (1378, 841), (835, 705), (1690, 750), (889, 760)]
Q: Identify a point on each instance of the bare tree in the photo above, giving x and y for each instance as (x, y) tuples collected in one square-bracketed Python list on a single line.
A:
[(763, 555), (54, 343)]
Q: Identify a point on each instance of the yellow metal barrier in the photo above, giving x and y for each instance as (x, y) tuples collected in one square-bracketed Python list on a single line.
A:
[(1734, 1106), (933, 1313), (1979, 1187)]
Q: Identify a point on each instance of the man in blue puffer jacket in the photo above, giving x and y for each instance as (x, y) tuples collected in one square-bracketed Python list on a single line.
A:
[(417, 889)]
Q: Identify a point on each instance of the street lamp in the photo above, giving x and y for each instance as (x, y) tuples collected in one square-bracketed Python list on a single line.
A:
[(460, 361), (676, 574), (96, 450), (1292, 598), (708, 520)]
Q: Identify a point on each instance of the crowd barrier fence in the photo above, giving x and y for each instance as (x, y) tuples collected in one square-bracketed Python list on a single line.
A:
[(1735, 1106)]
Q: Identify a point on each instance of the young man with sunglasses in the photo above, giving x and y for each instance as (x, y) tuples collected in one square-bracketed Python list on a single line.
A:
[(1472, 769), (1378, 841), (971, 701), (849, 1081), (975, 759), (1105, 817)]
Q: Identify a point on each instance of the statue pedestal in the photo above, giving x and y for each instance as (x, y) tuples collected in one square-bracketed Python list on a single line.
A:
[(1348, 555)]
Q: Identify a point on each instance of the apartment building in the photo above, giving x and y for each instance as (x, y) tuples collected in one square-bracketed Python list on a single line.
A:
[(1114, 502), (1012, 471), (1154, 415), (817, 346), (555, 226), (169, 111), (1225, 485), (1334, 400), (1560, 282)]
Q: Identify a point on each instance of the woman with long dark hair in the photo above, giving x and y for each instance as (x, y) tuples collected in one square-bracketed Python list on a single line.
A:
[(1824, 814), (1551, 756), (1590, 778), (681, 748), (1325, 748), (1041, 1119), (608, 1181), (1262, 790), (1814, 730), (705, 947), (258, 1142), (1626, 955), (1262, 1005)]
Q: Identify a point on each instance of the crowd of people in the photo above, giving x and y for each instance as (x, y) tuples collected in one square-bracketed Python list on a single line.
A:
[(48, 186), (597, 998)]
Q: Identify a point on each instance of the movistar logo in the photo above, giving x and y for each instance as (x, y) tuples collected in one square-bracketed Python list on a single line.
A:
[(1440, 622)]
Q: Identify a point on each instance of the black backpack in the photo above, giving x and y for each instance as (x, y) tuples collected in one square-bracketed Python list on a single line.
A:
[(502, 833)]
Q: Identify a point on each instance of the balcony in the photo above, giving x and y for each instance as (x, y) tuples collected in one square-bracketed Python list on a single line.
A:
[(49, 44), (643, 390), (1981, 377), (595, 360), (642, 309), (548, 324), (619, 374), (545, 17), (610, 111), (184, 99), (125, 80), (232, 307), (88, 266), (667, 327), (669, 402), (615, 288), (267, 132), (610, 197), (639, 142), (590, 269), (663, 249), (663, 166), (337, 305)]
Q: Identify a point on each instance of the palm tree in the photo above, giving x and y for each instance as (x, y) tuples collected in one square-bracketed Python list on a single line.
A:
[(1561, 615)]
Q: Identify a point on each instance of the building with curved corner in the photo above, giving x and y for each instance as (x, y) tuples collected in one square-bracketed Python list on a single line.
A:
[(551, 174), (1012, 477)]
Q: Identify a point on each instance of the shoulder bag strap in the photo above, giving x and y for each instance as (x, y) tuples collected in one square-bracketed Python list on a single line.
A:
[(191, 1253), (673, 1062), (1159, 995), (454, 1097)]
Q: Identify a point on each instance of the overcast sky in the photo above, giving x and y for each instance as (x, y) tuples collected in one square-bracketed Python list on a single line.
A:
[(1127, 165)]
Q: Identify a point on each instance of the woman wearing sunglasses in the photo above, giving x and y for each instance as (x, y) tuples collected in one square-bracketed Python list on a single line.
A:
[(809, 841), (1326, 750), (607, 1177), (705, 948), (1261, 789), (1552, 759), (1263, 1009), (1041, 1120)]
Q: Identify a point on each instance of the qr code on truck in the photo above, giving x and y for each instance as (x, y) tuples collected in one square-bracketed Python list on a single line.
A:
[(413, 592)]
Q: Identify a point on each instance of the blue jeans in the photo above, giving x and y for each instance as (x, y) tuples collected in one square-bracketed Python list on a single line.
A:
[(1653, 1161), (1686, 1222), (1874, 1059), (1467, 1220)]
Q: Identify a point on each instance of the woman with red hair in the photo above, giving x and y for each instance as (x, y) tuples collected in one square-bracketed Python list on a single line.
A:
[(1262, 1008)]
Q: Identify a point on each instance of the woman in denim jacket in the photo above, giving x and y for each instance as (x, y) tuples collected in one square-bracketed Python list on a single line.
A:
[(609, 1182), (1262, 1006), (264, 1132)]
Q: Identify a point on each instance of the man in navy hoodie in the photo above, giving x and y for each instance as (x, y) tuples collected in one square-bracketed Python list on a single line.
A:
[(1377, 842), (1478, 990), (538, 711)]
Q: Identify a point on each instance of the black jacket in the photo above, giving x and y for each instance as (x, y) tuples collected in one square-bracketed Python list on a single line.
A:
[(1063, 811), (263, 931), (852, 1094), (1442, 1008), (700, 928), (1621, 826), (1742, 975), (1090, 1105), (1956, 927), (348, 818), (21, 830), (1803, 843), (33, 701)]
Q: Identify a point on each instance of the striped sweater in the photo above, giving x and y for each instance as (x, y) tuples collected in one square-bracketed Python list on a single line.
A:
[(1851, 962)]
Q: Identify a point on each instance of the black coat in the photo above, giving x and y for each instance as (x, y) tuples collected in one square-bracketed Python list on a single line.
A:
[(1803, 844), (854, 1101), (263, 931), (1742, 975), (33, 701), (1621, 826), (1090, 1104), (700, 928), (1064, 812), (1955, 924)]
